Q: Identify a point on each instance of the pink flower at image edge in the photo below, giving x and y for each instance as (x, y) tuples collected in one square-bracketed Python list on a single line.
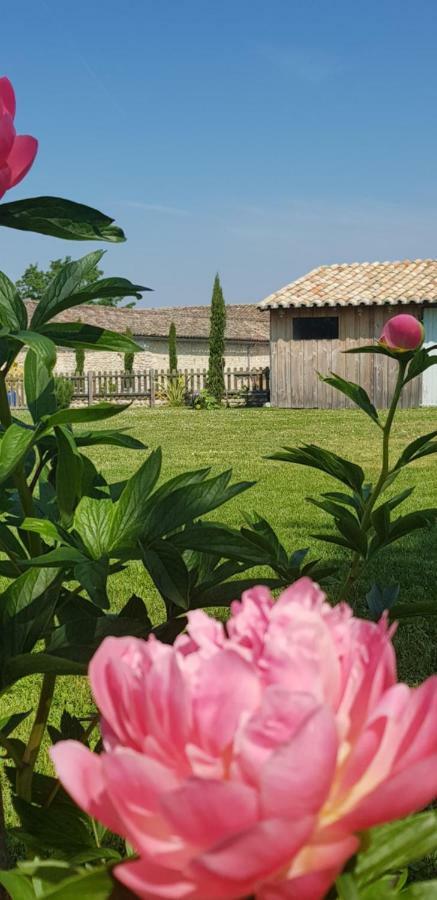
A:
[(403, 332), (17, 152), (247, 761)]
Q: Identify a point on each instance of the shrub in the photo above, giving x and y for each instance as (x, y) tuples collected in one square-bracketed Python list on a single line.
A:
[(64, 390)]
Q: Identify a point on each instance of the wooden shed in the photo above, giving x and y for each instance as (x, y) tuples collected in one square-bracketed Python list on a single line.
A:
[(335, 308)]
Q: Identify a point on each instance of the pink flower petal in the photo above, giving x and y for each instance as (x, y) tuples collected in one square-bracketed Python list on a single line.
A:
[(291, 789), (205, 812), (7, 97), (81, 774), (21, 157), (237, 866), (7, 137)]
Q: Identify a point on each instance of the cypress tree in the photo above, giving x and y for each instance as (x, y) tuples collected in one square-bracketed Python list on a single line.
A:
[(128, 356), (172, 349), (79, 354), (216, 381)]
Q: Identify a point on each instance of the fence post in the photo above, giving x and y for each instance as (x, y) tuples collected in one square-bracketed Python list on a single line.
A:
[(90, 376), (152, 386)]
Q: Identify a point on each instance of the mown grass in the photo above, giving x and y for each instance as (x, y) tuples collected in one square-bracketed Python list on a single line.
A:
[(241, 439)]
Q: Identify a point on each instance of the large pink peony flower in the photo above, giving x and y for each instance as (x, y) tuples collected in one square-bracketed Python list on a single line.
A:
[(247, 761), (402, 333), (17, 153)]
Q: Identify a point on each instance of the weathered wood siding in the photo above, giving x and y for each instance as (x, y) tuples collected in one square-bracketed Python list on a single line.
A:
[(294, 364)]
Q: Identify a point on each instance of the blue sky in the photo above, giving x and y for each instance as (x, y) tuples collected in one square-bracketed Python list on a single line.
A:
[(259, 139)]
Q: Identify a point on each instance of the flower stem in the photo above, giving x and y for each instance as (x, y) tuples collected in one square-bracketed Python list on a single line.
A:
[(25, 774), (356, 562)]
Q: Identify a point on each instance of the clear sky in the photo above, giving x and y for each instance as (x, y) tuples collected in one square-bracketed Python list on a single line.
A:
[(259, 139)]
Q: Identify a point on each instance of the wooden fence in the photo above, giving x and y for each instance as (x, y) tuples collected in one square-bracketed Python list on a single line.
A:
[(249, 385)]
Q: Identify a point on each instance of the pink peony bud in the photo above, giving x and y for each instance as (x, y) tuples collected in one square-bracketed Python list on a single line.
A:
[(402, 332), (17, 153), (247, 762)]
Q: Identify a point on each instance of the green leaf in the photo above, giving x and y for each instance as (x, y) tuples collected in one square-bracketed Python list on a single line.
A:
[(109, 287), (68, 474), (89, 337), (392, 847), (209, 537), (42, 346), (374, 348), (14, 445), (9, 723), (92, 885), (59, 218), (422, 518), (168, 572), (421, 446), (13, 313), (18, 885), (60, 557), (87, 414), (39, 664), (317, 458), (129, 513), (62, 827), (26, 608), (115, 438), (92, 575), (169, 511), (381, 598), (46, 529), (423, 890), (355, 393), (60, 294), (39, 386), (421, 361), (93, 523)]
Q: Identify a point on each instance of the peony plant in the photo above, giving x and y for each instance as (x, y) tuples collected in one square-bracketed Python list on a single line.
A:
[(252, 759), (364, 521)]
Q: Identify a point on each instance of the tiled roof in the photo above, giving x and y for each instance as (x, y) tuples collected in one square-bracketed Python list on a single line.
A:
[(378, 283), (244, 322)]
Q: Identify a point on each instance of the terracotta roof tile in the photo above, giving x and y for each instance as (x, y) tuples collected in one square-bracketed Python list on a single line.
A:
[(244, 322), (353, 284)]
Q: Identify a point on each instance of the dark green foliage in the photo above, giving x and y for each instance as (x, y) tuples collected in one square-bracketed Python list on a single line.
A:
[(172, 349), (64, 390), (88, 286), (216, 381), (129, 356)]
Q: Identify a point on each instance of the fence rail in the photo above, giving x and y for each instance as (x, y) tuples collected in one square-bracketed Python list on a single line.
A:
[(149, 385)]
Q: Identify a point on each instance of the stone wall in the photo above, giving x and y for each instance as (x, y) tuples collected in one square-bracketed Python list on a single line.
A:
[(192, 354)]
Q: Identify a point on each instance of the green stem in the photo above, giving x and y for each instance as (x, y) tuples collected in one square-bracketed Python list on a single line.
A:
[(21, 484), (25, 774), (356, 563)]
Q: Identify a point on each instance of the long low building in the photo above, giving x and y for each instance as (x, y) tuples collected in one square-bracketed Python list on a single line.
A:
[(246, 337)]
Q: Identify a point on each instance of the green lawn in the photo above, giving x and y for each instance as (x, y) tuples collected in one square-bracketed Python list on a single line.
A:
[(240, 439)]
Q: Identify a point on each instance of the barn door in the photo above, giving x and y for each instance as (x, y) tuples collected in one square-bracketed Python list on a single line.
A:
[(429, 383)]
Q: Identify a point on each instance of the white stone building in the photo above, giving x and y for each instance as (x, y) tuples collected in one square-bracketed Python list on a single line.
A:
[(246, 336)]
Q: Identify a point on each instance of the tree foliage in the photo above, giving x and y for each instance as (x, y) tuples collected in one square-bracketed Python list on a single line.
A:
[(216, 381), (129, 356), (172, 349), (35, 281)]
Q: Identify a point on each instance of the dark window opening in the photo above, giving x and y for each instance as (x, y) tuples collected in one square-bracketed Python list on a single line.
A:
[(317, 328)]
